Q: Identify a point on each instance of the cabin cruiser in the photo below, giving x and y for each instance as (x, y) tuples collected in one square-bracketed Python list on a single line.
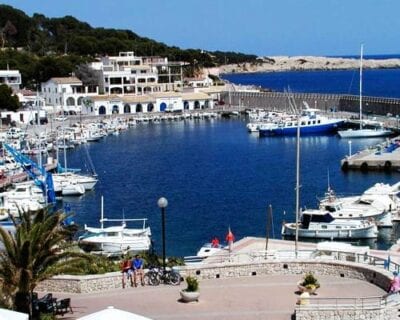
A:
[(319, 224), (380, 203)]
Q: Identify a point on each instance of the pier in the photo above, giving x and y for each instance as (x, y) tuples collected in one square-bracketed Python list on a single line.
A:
[(384, 156)]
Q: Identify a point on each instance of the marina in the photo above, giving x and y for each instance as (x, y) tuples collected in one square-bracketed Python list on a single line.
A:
[(165, 148)]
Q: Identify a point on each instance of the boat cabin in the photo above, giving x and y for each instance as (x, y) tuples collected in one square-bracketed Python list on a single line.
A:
[(309, 217)]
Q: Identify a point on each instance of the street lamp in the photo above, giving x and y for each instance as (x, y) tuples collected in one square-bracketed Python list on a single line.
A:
[(162, 204)]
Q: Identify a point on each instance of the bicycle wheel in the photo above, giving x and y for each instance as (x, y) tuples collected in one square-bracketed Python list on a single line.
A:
[(152, 278), (174, 278)]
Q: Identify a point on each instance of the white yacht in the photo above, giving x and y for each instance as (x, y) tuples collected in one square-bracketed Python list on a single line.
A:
[(319, 224), (380, 203), (86, 181), (116, 239)]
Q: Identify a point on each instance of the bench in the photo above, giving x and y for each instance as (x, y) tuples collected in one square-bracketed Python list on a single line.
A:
[(63, 306)]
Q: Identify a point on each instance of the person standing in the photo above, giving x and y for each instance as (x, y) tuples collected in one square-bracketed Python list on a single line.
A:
[(230, 238), (137, 266)]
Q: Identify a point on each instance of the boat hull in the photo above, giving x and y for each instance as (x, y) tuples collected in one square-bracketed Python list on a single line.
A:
[(304, 130), (367, 232), (364, 133)]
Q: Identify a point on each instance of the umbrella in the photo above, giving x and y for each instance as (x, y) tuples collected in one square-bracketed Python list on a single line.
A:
[(12, 315), (113, 313)]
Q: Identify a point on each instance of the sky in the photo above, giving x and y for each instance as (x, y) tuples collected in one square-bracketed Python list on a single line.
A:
[(260, 27)]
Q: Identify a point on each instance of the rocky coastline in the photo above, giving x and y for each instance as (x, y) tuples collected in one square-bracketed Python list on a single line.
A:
[(304, 63)]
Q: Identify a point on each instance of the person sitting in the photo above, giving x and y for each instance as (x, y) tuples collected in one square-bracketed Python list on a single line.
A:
[(137, 266), (125, 270), (395, 283), (215, 242)]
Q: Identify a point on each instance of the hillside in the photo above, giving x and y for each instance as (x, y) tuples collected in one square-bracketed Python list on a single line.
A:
[(59, 44)]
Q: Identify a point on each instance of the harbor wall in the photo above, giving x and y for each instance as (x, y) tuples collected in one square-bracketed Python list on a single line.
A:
[(112, 280), (326, 102)]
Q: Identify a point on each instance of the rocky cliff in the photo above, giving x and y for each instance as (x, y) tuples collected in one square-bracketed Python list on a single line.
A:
[(286, 63)]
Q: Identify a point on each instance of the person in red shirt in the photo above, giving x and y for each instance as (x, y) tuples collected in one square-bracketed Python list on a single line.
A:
[(215, 242), (125, 270), (230, 238)]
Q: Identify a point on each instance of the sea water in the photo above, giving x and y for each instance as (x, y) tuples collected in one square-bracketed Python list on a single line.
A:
[(215, 175)]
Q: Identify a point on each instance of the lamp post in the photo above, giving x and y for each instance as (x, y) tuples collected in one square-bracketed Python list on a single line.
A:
[(162, 204)]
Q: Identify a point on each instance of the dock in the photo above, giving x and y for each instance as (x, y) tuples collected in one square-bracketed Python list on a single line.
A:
[(383, 157)]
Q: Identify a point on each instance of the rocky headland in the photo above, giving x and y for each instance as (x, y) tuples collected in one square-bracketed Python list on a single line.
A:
[(301, 63)]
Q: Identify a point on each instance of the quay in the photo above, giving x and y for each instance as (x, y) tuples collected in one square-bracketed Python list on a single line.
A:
[(384, 156)]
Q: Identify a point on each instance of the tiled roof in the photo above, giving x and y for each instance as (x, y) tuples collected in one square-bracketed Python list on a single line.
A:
[(66, 80)]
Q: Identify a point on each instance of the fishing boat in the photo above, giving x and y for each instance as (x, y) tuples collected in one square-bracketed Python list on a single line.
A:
[(320, 224), (116, 239), (310, 122), (376, 131)]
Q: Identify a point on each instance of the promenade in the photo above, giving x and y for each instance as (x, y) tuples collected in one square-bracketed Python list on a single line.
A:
[(247, 297)]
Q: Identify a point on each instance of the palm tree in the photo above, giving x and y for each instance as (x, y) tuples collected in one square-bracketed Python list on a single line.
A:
[(36, 251)]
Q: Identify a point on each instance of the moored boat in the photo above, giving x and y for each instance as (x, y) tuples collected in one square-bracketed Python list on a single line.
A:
[(310, 122), (319, 224)]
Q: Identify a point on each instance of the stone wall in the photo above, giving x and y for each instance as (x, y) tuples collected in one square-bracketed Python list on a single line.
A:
[(81, 284), (351, 270), (326, 102)]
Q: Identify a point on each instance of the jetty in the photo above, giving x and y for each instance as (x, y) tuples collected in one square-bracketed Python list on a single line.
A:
[(384, 156)]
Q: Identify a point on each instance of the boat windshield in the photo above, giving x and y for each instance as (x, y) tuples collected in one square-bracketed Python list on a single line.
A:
[(306, 219)]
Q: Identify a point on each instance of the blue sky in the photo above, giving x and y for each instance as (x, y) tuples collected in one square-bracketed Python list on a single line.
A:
[(261, 27)]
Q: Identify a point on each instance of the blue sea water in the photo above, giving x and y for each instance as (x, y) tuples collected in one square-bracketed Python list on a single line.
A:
[(376, 82), (215, 175)]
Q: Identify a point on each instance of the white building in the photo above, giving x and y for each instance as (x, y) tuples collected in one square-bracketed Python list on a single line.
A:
[(12, 78), (200, 82), (130, 74), (66, 93), (149, 103)]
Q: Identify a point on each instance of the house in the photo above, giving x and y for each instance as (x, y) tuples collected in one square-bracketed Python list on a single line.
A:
[(12, 78), (66, 93), (130, 74)]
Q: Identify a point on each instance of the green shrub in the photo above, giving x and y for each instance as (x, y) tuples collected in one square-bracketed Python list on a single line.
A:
[(192, 284), (310, 281)]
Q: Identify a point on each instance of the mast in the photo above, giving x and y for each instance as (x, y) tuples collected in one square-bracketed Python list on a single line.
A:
[(102, 213), (361, 67), (297, 184)]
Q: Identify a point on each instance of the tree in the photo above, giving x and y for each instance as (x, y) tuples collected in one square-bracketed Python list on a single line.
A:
[(36, 251), (8, 100)]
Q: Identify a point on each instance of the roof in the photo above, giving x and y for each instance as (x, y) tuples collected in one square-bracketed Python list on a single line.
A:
[(195, 96), (66, 80), (168, 94)]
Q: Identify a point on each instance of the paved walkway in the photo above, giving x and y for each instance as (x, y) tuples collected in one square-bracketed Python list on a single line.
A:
[(245, 298)]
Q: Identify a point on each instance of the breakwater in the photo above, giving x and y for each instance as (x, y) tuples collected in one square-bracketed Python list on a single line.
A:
[(327, 102)]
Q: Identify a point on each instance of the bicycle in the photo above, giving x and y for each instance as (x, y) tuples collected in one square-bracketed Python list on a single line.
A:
[(156, 275)]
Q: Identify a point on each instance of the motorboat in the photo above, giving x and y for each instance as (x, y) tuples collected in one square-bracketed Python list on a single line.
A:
[(320, 224), (209, 249), (379, 203), (309, 122), (22, 197)]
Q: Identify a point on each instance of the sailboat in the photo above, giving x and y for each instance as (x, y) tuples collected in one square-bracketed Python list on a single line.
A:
[(364, 132), (319, 223)]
